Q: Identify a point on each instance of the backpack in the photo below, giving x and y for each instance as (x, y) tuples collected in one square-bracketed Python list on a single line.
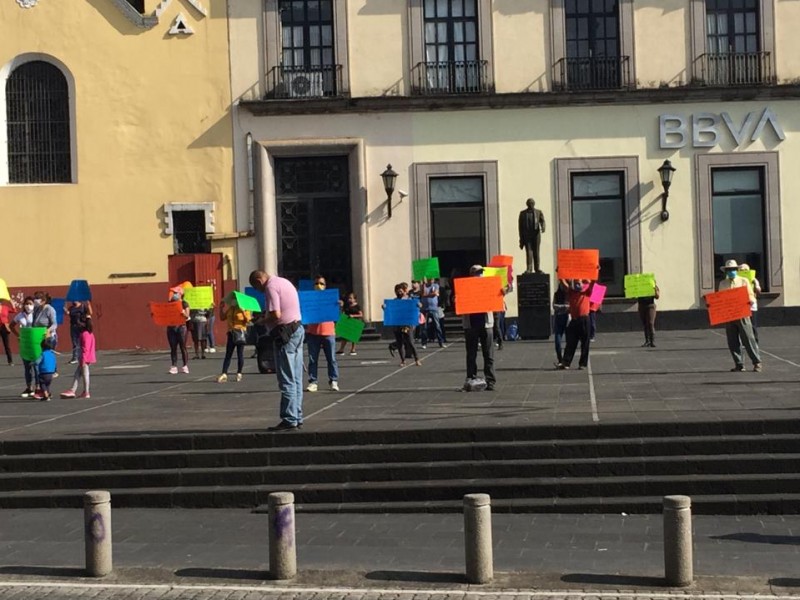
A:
[(512, 332)]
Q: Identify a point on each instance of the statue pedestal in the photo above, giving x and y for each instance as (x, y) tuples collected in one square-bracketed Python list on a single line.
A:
[(533, 306)]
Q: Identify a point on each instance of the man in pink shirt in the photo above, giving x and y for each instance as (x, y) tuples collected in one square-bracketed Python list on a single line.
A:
[(283, 320)]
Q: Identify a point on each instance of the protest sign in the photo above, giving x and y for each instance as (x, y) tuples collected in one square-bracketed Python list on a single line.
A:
[(305, 285), (58, 305), (167, 313), (425, 268), (749, 275), (598, 293), (401, 312), (578, 264), (319, 306), (349, 329), (79, 291), (640, 285), (260, 297), (501, 260), (478, 295), (4, 295), (30, 342), (245, 302), (501, 272), (199, 297), (728, 305)]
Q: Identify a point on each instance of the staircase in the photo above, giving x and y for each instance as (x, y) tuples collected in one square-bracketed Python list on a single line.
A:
[(727, 468)]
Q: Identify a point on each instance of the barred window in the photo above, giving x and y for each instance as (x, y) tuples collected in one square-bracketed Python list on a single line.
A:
[(37, 104)]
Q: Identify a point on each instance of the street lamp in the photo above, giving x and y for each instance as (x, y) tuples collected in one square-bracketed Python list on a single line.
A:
[(389, 177), (665, 171)]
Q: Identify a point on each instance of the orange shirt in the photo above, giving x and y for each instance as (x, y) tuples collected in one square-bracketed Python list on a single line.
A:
[(324, 329)]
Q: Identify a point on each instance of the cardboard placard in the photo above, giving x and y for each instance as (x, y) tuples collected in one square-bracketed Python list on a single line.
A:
[(425, 268), (30, 342), (58, 305), (79, 291), (167, 314), (4, 295), (305, 285), (501, 260), (578, 264), (401, 312), (640, 285), (478, 295), (749, 275), (319, 306), (501, 272), (598, 293), (349, 329), (199, 297), (245, 302), (728, 305), (260, 297)]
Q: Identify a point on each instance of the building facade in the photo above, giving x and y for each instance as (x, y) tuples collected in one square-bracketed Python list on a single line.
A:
[(480, 104), (115, 154)]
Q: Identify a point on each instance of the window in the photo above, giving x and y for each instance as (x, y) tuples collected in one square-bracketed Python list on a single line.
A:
[(189, 223), (739, 216), (732, 41), (592, 44), (310, 58), (38, 124), (598, 207), (451, 46)]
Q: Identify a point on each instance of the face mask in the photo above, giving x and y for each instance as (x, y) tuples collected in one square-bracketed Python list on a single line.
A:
[(28, 308), (731, 274), (176, 296), (319, 286), (37, 301)]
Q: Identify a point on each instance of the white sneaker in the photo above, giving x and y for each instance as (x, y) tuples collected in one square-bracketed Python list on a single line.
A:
[(238, 377), (211, 350), (222, 378), (334, 386), (184, 369), (312, 387), (173, 370)]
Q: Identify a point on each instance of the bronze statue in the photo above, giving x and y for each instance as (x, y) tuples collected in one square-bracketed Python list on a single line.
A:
[(531, 228)]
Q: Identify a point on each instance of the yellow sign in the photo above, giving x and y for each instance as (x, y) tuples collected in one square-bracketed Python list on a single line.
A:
[(640, 285), (199, 297), (4, 295), (501, 272)]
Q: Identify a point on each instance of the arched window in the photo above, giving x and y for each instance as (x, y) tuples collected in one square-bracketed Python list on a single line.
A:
[(38, 120)]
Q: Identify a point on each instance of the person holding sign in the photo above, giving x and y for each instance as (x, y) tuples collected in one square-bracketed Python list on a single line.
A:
[(744, 271), (44, 315), (283, 318), (77, 311), (237, 320), (647, 315), (740, 331), (578, 291), (430, 310), (322, 336), (176, 334), (478, 329), (352, 310), (403, 343), (24, 319)]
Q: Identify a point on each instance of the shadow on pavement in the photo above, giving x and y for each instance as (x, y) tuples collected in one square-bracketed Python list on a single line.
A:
[(223, 574), (417, 576), (760, 538), (785, 582), (44, 571), (602, 579)]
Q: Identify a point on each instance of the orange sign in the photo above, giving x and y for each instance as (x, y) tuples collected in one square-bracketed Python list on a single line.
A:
[(501, 260), (578, 264), (167, 313), (728, 305), (478, 295)]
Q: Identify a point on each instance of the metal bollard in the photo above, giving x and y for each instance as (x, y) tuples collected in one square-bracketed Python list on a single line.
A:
[(97, 532), (282, 550), (678, 568), (478, 538)]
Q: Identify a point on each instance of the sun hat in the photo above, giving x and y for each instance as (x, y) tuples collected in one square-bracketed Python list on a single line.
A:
[(730, 264), (475, 269), (744, 267)]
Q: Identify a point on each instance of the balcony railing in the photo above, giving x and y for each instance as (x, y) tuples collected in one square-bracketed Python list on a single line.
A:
[(735, 68), (592, 73), (451, 77), (306, 81)]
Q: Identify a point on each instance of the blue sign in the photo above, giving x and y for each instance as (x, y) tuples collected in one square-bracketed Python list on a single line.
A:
[(305, 285), (79, 291), (58, 304), (400, 313), (319, 306), (260, 296)]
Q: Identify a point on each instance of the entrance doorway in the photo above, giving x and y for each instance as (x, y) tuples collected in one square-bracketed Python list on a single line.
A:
[(313, 208)]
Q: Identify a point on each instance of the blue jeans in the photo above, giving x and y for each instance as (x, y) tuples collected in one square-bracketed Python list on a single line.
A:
[(229, 348), (212, 319), (75, 337), (560, 332), (432, 318), (328, 345), (31, 368), (289, 369)]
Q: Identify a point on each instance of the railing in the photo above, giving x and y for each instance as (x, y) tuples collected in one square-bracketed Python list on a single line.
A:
[(592, 73), (306, 81), (734, 68), (451, 77)]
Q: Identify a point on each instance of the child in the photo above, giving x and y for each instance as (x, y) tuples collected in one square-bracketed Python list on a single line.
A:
[(77, 313), (47, 367), (237, 320), (87, 356), (353, 310)]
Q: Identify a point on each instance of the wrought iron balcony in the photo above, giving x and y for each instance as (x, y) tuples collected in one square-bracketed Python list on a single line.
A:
[(734, 68), (592, 73), (306, 81), (451, 77)]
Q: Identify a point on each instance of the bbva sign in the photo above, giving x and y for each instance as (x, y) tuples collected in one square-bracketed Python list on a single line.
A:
[(673, 130)]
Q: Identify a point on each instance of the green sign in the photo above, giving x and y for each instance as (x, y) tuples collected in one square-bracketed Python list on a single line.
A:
[(349, 329), (641, 285), (425, 268), (246, 302), (199, 297), (749, 275), (30, 342)]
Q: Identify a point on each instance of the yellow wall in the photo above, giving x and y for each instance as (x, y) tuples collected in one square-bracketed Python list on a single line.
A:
[(152, 126), (661, 30)]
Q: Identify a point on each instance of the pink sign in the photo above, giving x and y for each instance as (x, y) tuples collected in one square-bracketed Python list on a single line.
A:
[(598, 293)]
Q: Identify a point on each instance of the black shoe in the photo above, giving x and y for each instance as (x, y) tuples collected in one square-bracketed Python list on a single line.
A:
[(646, 344), (737, 369), (391, 349), (652, 344), (489, 387), (284, 426)]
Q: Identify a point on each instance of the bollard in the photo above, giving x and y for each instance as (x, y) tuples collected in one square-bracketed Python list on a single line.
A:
[(282, 550), (678, 569), (478, 538), (97, 532)]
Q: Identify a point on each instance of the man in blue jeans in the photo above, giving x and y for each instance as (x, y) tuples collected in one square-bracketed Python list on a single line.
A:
[(283, 320), (429, 298), (322, 336)]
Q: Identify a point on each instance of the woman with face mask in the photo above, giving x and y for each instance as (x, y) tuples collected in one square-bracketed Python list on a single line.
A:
[(176, 334), (24, 318), (44, 315)]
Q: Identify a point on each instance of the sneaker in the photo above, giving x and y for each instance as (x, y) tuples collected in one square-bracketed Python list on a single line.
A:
[(352, 353), (238, 377), (173, 370), (757, 367), (312, 387), (489, 387), (184, 369), (424, 346), (284, 426), (212, 350), (646, 344), (340, 352), (27, 393), (222, 378), (68, 394), (334, 386), (55, 375), (652, 344), (737, 369), (441, 344), (73, 361), (46, 397), (591, 339), (86, 395), (38, 395)]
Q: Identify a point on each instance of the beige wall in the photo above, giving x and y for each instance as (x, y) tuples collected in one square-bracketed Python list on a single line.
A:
[(152, 126)]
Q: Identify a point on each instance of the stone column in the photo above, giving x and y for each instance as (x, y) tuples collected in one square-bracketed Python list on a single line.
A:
[(282, 550), (478, 538), (678, 569), (97, 532)]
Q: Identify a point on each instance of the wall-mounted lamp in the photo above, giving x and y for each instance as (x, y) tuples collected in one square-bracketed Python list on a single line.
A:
[(665, 171), (389, 178)]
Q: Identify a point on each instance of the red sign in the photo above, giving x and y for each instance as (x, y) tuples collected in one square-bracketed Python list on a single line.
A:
[(728, 305), (578, 264)]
